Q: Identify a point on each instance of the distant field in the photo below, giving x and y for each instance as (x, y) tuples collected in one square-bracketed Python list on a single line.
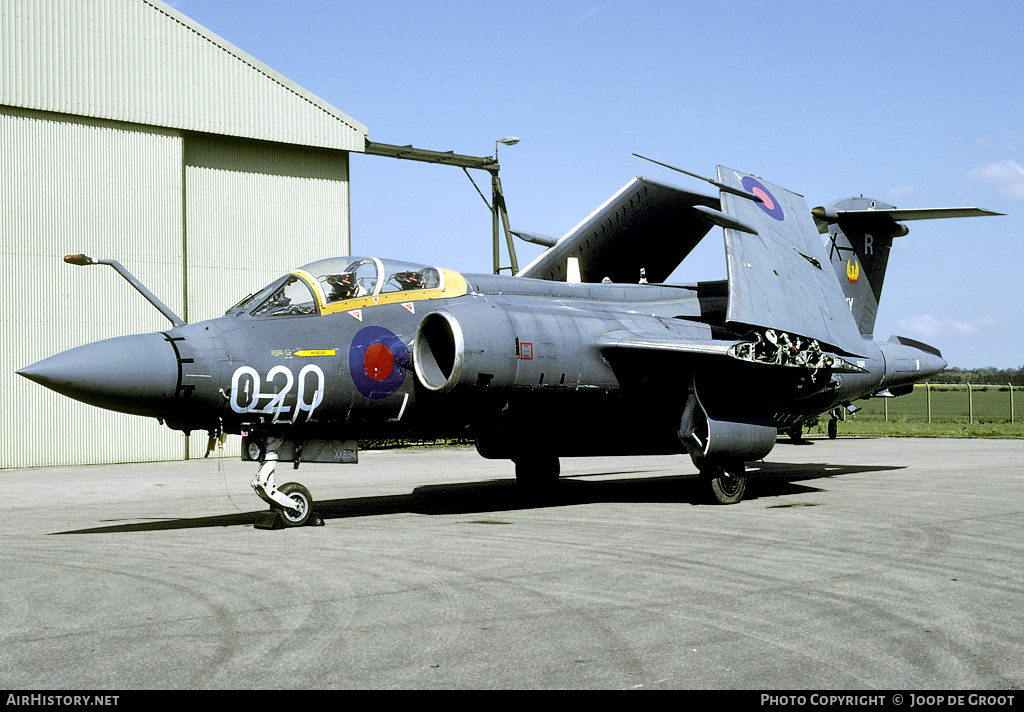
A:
[(953, 411), (947, 404), (856, 426)]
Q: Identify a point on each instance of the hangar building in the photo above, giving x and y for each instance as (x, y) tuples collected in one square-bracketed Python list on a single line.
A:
[(129, 132)]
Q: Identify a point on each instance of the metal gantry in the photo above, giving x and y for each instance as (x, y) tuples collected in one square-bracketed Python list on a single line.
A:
[(499, 212)]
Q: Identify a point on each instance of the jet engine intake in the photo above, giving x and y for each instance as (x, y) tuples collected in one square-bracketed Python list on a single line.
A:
[(438, 351), (492, 346), (472, 344)]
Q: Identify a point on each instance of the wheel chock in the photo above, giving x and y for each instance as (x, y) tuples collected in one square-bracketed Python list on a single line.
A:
[(268, 520), (272, 520)]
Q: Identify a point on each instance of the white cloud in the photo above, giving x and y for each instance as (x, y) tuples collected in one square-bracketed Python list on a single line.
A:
[(1007, 176), (901, 192), (961, 328), (928, 327)]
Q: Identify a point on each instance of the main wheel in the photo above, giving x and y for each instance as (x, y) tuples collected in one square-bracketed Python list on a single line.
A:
[(537, 472), (299, 515), (723, 487), (833, 428)]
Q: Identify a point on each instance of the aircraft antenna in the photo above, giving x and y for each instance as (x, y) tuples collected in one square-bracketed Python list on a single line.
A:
[(721, 186)]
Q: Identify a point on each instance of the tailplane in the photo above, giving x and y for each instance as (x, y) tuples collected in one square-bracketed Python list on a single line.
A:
[(861, 231)]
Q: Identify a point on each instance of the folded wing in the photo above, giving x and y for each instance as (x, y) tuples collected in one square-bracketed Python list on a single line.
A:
[(780, 278), (646, 226)]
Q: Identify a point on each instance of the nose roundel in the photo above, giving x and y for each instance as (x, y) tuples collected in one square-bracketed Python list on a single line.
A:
[(378, 361)]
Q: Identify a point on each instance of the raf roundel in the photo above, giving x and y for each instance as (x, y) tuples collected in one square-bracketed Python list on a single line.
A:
[(378, 361), (768, 203)]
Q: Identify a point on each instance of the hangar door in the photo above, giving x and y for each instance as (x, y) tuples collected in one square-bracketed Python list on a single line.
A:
[(254, 211)]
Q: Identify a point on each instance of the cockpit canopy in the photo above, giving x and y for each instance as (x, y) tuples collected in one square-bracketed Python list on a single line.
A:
[(330, 285)]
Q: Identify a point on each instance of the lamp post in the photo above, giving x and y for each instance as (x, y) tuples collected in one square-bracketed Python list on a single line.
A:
[(498, 210), (508, 141)]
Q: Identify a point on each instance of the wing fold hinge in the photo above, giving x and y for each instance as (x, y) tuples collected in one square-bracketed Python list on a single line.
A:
[(779, 348)]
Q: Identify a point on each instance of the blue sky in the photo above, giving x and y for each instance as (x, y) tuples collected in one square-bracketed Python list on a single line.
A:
[(918, 104)]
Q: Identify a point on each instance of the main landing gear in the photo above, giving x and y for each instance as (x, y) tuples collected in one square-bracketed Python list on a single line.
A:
[(537, 473), (795, 433), (291, 505), (720, 484), (723, 485)]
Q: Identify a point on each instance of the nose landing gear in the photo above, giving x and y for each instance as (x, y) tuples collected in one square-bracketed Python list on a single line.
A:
[(301, 512), (291, 505)]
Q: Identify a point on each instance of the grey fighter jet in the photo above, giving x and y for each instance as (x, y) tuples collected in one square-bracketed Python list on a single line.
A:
[(583, 353)]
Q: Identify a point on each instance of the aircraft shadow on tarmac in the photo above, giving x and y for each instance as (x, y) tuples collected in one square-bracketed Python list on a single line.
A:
[(768, 480)]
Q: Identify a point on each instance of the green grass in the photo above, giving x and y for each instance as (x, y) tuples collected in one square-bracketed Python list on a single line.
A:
[(929, 430), (949, 404), (847, 427), (983, 412), (395, 443)]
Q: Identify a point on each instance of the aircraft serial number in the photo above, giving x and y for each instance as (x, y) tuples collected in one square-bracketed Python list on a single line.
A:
[(247, 395)]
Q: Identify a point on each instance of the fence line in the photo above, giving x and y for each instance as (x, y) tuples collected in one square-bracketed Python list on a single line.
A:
[(946, 403)]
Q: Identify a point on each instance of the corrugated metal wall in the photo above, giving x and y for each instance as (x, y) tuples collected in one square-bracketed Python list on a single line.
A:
[(144, 62), (230, 214), (114, 125), (77, 185)]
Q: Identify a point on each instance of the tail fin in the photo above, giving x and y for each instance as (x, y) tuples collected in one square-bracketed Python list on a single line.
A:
[(859, 252), (861, 231)]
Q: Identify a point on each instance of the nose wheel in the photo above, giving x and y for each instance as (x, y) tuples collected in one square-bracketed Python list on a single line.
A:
[(302, 508), (291, 503)]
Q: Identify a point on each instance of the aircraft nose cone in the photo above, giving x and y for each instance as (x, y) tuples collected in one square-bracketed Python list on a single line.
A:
[(130, 374)]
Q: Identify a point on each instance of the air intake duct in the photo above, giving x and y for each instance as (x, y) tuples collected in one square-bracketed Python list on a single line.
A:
[(483, 344), (467, 344)]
